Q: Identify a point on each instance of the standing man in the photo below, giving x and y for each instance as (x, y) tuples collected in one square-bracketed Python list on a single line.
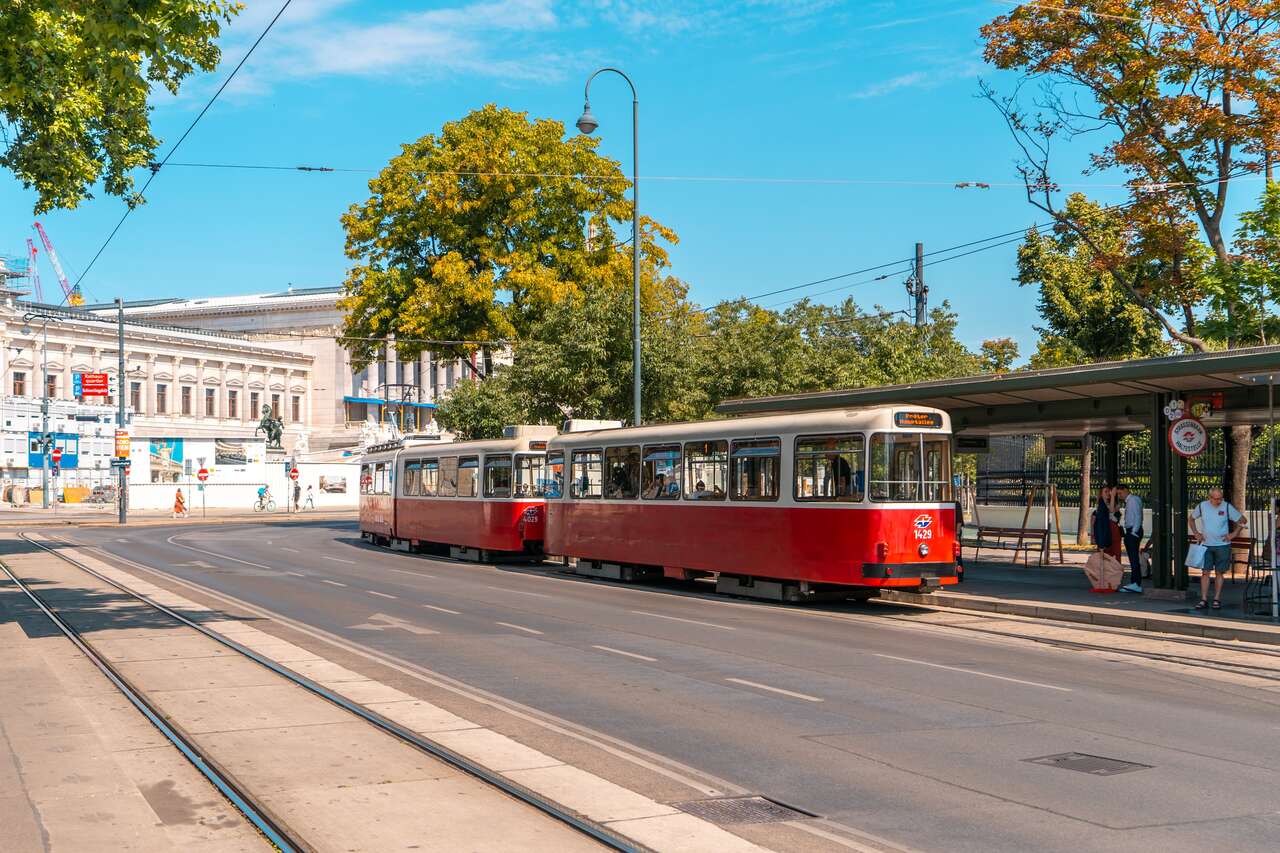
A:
[(1131, 523), (1215, 517), (297, 496)]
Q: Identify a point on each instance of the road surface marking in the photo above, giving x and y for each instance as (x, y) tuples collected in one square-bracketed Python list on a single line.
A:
[(296, 574), (790, 693), (974, 672), (442, 609), (519, 592), (122, 540), (334, 583), (627, 654), (383, 622), (337, 559), (415, 574), (678, 619), (379, 594), (520, 628), (290, 550)]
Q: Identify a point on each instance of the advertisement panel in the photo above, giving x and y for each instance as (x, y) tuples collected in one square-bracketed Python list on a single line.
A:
[(166, 460), (230, 452)]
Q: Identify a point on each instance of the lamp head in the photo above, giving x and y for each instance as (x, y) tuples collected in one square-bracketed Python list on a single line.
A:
[(587, 123)]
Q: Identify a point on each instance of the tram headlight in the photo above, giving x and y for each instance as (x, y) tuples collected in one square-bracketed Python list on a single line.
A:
[(923, 549)]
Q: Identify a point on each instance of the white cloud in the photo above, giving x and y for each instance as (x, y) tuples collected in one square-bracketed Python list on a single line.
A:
[(893, 84)]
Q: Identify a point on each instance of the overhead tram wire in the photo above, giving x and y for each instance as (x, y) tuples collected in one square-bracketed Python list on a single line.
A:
[(156, 167)]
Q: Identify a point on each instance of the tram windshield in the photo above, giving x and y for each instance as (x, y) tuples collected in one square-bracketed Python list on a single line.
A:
[(531, 477), (910, 467)]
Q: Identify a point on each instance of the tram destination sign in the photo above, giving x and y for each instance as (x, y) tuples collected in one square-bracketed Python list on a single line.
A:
[(918, 420)]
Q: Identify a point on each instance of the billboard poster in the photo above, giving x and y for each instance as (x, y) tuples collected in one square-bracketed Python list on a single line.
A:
[(166, 460), (336, 485), (230, 451)]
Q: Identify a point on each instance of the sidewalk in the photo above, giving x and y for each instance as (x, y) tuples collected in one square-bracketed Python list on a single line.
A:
[(104, 515), (80, 768), (1060, 592)]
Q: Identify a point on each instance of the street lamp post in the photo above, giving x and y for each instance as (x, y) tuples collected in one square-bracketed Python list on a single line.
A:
[(45, 441), (587, 124)]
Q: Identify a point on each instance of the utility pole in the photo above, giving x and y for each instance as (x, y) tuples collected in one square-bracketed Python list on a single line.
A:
[(122, 499), (917, 289), (46, 440)]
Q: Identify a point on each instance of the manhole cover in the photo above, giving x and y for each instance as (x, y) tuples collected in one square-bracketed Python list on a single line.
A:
[(1094, 765), (741, 810)]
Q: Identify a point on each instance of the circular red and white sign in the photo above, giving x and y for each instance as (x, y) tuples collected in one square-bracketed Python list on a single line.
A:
[(202, 474), (57, 455), (1188, 437), (293, 473)]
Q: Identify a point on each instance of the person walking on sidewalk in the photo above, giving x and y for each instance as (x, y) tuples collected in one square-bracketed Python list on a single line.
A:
[(179, 505), (297, 496), (311, 499), (1215, 531), (1131, 524)]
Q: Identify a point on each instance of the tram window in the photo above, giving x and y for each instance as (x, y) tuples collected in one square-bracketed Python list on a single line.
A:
[(366, 479), (622, 468), (588, 474), (938, 485), (413, 477), (756, 467), (661, 473), (830, 468), (497, 476), (430, 477), (531, 476), (706, 470), (896, 467), (380, 479), (468, 469), (448, 476), (554, 486)]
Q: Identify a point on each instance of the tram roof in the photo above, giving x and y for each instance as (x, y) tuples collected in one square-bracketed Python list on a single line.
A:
[(1105, 395)]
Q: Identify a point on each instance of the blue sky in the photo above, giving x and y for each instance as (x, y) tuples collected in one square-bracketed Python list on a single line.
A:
[(852, 122)]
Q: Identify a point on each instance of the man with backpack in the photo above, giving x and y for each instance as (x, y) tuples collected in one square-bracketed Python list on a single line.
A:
[(1213, 524)]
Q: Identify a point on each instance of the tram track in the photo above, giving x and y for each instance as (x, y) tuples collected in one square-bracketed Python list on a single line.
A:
[(272, 828)]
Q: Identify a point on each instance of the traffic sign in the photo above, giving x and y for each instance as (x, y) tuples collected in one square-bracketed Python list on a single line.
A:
[(293, 474), (90, 384), (56, 455), (202, 474), (127, 469)]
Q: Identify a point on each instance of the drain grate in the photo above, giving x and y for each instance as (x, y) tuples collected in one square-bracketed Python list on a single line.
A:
[(726, 810), (1094, 765)]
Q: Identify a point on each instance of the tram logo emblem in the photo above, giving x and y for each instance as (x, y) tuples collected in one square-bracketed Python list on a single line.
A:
[(922, 521)]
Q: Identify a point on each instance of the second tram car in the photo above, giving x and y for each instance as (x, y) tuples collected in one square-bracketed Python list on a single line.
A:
[(778, 506)]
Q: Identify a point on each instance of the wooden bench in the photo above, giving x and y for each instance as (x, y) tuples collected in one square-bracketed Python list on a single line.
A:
[(1013, 539)]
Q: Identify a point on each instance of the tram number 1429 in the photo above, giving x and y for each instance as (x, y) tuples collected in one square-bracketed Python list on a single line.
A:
[(923, 525)]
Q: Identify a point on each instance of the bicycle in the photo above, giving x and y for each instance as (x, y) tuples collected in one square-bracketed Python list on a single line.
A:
[(260, 505)]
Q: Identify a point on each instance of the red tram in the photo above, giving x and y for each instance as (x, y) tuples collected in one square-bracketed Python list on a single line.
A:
[(780, 506), (478, 498)]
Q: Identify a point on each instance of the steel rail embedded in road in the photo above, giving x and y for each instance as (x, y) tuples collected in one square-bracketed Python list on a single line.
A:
[(590, 828), (253, 811)]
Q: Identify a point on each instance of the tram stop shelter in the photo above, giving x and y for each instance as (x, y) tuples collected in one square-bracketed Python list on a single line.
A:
[(1105, 400)]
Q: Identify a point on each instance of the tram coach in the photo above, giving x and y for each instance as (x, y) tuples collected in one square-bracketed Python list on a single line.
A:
[(479, 498), (779, 506)]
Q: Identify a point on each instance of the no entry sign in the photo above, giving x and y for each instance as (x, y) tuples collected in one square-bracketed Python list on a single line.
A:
[(202, 474), (293, 474), (57, 455)]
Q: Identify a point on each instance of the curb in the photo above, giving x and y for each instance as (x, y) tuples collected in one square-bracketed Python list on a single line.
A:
[(1206, 627)]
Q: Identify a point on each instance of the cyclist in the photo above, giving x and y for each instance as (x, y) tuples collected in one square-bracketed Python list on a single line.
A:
[(264, 495)]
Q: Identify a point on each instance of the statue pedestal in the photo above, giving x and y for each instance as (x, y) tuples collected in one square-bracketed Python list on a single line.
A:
[(276, 454)]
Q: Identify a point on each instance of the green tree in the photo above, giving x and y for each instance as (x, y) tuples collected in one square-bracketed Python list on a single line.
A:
[(999, 354), (476, 410), (472, 233), (74, 81)]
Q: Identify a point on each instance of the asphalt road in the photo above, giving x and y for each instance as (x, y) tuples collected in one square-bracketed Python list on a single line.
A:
[(906, 732)]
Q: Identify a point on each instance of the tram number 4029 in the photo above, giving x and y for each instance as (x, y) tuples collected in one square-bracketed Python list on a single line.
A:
[(923, 526)]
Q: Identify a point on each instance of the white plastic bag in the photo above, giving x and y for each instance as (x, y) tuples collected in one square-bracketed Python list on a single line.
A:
[(1195, 556)]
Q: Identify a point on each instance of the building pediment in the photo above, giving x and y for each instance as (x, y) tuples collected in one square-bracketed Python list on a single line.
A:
[(234, 383), (21, 362), (54, 365), (80, 367), (163, 375), (277, 386), (187, 377), (298, 389), (212, 380), (257, 385)]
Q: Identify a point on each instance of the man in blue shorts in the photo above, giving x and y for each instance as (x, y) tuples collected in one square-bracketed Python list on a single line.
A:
[(1210, 525)]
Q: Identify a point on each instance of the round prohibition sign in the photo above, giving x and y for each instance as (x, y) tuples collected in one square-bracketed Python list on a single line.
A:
[(202, 474), (293, 474)]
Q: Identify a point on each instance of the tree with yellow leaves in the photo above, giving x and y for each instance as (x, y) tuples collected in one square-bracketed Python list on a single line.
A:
[(471, 234)]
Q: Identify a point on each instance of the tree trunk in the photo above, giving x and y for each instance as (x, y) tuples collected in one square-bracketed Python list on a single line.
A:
[(1086, 489), (1239, 443)]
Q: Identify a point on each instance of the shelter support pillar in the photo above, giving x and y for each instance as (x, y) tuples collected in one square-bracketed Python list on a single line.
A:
[(1113, 458), (1160, 499), (1178, 517)]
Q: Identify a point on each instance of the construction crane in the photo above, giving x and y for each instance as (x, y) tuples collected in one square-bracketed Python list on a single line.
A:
[(33, 272), (71, 294)]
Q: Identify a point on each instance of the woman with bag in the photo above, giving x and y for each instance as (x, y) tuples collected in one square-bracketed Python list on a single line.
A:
[(1103, 568)]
